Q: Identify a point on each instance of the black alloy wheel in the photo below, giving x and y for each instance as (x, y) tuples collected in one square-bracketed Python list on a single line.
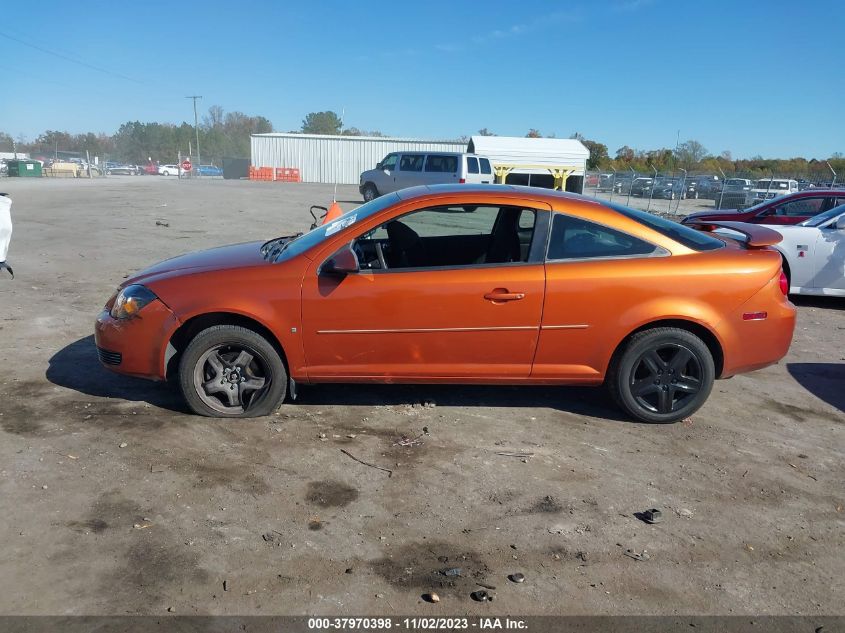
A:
[(230, 371), (662, 375)]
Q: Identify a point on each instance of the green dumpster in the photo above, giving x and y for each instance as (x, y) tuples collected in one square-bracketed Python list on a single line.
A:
[(25, 168)]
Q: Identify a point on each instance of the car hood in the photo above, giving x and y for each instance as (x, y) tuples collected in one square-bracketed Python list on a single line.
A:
[(222, 257)]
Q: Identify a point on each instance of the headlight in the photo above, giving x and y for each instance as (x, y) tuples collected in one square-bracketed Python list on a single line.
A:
[(130, 301)]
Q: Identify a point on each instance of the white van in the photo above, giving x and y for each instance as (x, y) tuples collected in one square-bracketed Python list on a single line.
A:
[(399, 170)]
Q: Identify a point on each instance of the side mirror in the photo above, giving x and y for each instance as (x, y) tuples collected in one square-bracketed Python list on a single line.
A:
[(379, 165), (343, 262), (840, 223)]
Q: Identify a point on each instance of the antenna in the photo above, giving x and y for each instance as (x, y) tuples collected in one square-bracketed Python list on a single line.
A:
[(342, 116)]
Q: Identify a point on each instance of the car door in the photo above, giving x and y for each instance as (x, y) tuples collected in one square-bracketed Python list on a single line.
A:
[(443, 293), (794, 211), (385, 175), (440, 169), (410, 171), (829, 258)]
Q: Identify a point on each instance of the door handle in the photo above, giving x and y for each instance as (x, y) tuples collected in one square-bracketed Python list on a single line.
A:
[(500, 296)]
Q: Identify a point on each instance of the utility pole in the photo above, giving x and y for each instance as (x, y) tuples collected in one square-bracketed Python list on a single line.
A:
[(196, 128)]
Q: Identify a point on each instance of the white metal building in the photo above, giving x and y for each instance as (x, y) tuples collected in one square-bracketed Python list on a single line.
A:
[(329, 159)]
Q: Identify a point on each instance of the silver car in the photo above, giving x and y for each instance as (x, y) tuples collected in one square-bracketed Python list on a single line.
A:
[(399, 170)]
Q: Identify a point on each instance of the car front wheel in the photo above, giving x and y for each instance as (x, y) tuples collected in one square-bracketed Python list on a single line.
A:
[(662, 375), (229, 371), (369, 193)]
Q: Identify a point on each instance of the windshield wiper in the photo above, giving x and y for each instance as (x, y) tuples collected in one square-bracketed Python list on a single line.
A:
[(273, 248)]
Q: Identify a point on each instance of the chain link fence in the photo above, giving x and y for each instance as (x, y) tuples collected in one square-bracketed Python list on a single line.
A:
[(681, 193)]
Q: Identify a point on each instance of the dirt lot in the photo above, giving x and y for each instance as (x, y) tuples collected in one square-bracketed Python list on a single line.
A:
[(117, 501)]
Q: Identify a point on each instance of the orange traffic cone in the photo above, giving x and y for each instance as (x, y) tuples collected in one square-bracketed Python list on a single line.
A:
[(334, 212)]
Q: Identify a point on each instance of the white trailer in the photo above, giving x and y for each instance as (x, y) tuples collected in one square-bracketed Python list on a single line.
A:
[(562, 159)]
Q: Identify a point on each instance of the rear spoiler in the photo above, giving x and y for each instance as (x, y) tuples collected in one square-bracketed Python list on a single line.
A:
[(755, 236)]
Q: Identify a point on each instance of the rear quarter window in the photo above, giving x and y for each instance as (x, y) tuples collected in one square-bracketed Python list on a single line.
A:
[(682, 234), (575, 238)]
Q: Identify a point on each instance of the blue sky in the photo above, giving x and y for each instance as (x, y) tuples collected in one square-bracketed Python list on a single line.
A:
[(750, 77)]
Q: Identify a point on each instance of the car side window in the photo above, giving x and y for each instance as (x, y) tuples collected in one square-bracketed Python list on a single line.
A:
[(574, 238), (472, 165), (389, 163), (485, 166), (449, 236), (441, 164), (411, 162), (802, 207)]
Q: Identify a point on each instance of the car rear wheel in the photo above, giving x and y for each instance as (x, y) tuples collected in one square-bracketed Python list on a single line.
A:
[(370, 193), (229, 371), (662, 375)]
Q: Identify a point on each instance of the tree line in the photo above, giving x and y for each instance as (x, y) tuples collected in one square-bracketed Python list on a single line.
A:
[(227, 134), (220, 134)]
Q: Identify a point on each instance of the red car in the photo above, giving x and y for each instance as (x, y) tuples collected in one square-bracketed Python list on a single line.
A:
[(151, 169), (790, 209)]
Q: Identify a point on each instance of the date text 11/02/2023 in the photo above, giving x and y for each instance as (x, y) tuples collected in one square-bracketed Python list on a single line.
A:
[(417, 623)]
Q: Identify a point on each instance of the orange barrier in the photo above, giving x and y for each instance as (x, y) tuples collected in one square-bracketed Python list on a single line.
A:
[(333, 213), (279, 174)]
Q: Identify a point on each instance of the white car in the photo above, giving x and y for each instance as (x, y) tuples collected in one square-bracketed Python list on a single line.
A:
[(814, 254), (5, 230), (169, 170)]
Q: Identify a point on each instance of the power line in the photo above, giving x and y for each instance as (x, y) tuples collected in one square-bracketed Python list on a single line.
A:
[(68, 58)]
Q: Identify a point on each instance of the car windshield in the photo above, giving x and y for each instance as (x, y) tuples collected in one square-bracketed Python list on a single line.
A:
[(821, 218), (777, 184), (689, 237), (303, 242)]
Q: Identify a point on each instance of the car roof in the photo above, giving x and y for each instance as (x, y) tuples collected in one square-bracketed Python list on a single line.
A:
[(509, 191)]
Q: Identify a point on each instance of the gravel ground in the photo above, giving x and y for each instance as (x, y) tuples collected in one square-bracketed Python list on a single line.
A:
[(116, 501)]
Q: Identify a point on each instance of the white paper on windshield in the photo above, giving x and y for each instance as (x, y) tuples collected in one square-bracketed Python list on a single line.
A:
[(5, 226), (339, 225)]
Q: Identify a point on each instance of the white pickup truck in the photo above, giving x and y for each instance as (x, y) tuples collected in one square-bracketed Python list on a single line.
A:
[(769, 188)]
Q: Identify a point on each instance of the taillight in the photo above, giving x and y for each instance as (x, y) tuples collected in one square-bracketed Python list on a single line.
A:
[(784, 283), (462, 181)]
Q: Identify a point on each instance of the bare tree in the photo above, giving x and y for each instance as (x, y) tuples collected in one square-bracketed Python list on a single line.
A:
[(690, 153)]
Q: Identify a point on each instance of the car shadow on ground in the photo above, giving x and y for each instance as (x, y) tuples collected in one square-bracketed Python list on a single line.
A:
[(595, 402), (77, 367), (823, 380), (828, 303)]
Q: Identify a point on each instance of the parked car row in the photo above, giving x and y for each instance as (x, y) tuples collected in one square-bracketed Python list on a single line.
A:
[(153, 169), (745, 193)]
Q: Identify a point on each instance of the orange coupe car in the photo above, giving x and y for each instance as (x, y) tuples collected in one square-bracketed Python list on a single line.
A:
[(460, 284)]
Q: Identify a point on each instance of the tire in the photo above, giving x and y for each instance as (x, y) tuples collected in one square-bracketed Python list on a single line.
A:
[(370, 192), (656, 362), (252, 376)]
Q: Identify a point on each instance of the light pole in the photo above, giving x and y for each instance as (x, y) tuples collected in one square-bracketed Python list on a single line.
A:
[(196, 129)]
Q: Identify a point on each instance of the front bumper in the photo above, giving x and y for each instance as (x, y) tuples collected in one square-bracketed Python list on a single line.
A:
[(136, 346)]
